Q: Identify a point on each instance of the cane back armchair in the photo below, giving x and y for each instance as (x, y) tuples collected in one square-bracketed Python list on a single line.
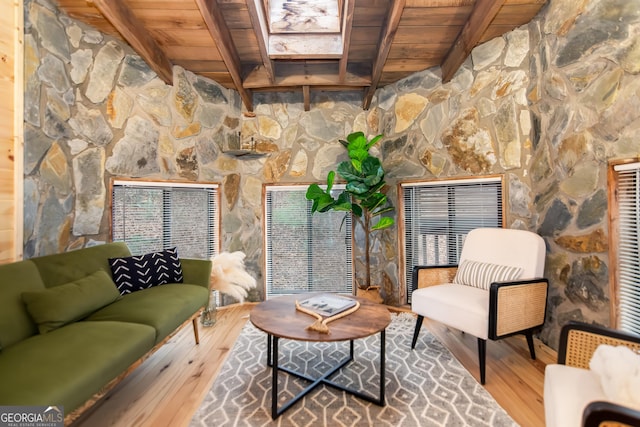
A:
[(496, 290), (573, 395)]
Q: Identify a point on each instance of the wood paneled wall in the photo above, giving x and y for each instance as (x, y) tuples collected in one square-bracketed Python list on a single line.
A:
[(11, 140)]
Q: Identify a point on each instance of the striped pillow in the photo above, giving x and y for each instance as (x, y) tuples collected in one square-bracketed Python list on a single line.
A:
[(483, 274)]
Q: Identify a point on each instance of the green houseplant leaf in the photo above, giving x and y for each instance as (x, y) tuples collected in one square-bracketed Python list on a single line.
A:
[(363, 196), (385, 222)]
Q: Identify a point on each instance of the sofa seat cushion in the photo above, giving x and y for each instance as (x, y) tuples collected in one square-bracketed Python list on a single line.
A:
[(56, 306), (462, 307), (567, 391), (69, 365), (162, 307)]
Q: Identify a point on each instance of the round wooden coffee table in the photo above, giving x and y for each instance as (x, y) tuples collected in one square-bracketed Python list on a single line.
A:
[(279, 318)]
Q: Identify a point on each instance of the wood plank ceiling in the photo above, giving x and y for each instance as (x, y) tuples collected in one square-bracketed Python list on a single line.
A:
[(303, 45)]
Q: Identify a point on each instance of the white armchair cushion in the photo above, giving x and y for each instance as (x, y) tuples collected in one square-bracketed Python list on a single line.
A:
[(462, 307), (506, 246), (567, 391), (483, 274)]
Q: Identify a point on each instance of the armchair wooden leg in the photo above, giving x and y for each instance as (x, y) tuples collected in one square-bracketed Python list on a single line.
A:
[(482, 358), (416, 331), (532, 349)]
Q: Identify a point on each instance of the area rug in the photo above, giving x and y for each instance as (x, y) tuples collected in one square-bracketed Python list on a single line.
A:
[(424, 387)]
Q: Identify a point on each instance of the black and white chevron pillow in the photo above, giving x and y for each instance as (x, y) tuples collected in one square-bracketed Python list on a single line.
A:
[(135, 273)]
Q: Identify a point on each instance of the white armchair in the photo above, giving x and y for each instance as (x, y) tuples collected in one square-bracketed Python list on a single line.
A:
[(574, 395), (495, 291)]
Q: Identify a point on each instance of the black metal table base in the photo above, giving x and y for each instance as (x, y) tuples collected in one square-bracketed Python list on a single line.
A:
[(272, 361)]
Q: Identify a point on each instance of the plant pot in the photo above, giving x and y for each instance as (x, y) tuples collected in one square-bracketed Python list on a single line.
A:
[(372, 293)]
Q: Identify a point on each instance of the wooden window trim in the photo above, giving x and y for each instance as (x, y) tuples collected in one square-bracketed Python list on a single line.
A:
[(614, 238)]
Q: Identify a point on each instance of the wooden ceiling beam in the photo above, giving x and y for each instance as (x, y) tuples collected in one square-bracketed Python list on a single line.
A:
[(132, 30), (304, 74), (306, 96), (384, 45), (220, 33), (347, 24), (481, 16), (260, 26)]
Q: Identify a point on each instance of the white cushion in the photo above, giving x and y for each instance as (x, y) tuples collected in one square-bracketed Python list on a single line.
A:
[(462, 307), (506, 246), (567, 391), (483, 274)]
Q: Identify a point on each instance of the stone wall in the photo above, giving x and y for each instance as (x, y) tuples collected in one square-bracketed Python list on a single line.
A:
[(546, 105), (586, 110), (94, 110)]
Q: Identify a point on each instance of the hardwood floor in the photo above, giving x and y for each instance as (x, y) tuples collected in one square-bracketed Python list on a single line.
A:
[(167, 388)]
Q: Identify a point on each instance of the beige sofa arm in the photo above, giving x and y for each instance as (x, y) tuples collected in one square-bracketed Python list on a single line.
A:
[(516, 306)]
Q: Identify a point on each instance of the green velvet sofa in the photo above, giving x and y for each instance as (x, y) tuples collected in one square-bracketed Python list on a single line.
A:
[(66, 338)]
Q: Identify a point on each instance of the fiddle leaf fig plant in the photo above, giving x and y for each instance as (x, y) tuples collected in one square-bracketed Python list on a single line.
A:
[(362, 197)]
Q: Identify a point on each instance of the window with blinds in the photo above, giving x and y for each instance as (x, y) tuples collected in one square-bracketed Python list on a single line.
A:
[(438, 215), (305, 252), (625, 236), (151, 216)]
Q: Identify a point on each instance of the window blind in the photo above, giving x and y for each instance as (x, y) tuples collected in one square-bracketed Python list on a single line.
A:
[(305, 252), (152, 216), (628, 186), (438, 215)]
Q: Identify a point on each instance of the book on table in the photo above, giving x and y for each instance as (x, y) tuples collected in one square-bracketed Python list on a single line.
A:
[(328, 305)]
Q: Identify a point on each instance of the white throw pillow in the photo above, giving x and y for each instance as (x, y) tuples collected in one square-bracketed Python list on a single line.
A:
[(618, 368), (483, 274)]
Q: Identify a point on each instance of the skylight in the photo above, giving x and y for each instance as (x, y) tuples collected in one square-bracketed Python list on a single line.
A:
[(305, 28)]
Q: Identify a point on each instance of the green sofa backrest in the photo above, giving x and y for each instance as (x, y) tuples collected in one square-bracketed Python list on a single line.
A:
[(15, 322), (66, 267)]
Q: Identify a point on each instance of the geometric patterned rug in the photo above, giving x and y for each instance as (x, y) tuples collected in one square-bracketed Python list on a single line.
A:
[(424, 387)]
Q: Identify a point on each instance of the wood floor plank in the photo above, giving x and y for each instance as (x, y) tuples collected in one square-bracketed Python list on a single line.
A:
[(167, 389)]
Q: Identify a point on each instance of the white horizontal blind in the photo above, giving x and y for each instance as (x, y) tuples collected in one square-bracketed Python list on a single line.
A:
[(305, 252), (438, 215), (628, 251), (153, 216)]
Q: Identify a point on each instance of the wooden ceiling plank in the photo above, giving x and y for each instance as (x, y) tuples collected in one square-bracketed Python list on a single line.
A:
[(181, 37), (384, 45), (200, 66), (259, 21), (159, 19), (162, 4), (136, 35), (220, 33), (516, 15), (437, 16), (439, 3), (347, 25), (483, 13), (190, 52), (437, 34)]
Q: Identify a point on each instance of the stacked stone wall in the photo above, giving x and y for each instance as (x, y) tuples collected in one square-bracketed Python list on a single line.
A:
[(546, 105)]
